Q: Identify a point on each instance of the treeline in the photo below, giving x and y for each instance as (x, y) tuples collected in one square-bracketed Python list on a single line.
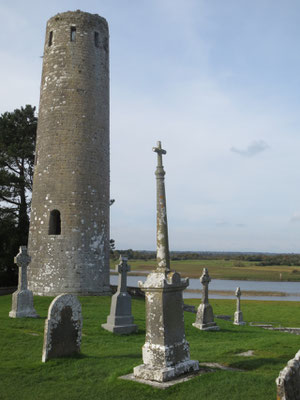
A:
[(261, 259), (17, 144)]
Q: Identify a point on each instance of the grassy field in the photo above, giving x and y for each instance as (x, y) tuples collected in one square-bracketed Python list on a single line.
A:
[(223, 269), (105, 357)]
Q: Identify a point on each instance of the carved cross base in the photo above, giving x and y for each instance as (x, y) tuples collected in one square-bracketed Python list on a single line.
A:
[(205, 318), (120, 319), (238, 318), (166, 352), (22, 305)]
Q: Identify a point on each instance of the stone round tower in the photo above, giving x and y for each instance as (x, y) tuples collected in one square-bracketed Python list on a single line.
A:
[(69, 225)]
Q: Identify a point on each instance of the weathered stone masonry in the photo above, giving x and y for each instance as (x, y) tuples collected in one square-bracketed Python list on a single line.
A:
[(69, 227)]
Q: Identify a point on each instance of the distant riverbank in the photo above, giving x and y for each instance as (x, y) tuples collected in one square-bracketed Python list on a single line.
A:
[(223, 269), (225, 289)]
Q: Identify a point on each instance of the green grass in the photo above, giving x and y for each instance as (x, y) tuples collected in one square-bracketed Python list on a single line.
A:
[(224, 269), (94, 374)]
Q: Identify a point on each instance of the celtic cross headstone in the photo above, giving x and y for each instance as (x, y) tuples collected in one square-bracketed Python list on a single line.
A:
[(205, 316), (22, 299), (120, 319)]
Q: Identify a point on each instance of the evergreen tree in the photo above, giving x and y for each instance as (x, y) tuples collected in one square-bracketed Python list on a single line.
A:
[(17, 145)]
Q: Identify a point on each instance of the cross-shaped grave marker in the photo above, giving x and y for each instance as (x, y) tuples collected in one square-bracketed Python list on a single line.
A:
[(122, 268), (22, 259), (238, 315), (22, 299), (162, 240), (120, 319), (205, 316)]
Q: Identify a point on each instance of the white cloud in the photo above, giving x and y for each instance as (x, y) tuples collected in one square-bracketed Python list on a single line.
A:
[(254, 148), (295, 217)]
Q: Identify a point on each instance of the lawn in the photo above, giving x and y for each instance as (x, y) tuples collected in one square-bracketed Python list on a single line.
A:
[(105, 356), (224, 269)]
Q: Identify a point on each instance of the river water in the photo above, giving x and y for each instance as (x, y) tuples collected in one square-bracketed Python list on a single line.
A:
[(283, 291)]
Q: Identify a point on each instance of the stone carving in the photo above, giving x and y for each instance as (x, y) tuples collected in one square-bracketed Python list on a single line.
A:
[(288, 381), (62, 334), (166, 352), (22, 299), (205, 314), (120, 319), (238, 315), (69, 224)]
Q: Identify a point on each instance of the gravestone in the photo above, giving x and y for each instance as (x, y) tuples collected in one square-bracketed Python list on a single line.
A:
[(166, 352), (205, 315), (22, 299), (62, 334), (238, 315), (120, 319), (288, 381)]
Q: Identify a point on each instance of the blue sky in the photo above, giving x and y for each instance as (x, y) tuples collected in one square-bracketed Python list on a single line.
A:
[(218, 83)]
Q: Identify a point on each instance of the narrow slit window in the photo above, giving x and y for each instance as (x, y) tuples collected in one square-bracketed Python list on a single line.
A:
[(54, 223), (73, 33), (50, 38), (96, 39)]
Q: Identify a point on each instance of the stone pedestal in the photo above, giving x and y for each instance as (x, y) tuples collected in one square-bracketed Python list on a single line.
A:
[(120, 319), (166, 352), (205, 315), (205, 318), (238, 318), (22, 299), (238, 315), (22, 305)]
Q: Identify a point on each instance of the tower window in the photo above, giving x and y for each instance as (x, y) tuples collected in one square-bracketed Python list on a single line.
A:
[(54, 223), (50, 38), (73, 34), (96, 39)]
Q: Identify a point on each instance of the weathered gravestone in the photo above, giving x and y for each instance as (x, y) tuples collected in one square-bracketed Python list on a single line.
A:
[(238, 315), (288, 381), (166, 352), (205, 314), (62, 334), (22, 299), (120, 319)]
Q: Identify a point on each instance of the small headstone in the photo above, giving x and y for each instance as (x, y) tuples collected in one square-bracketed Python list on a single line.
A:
[(120, 319), (288, 381), (205, 314), (238, 315), (62, 334), (22, 299)]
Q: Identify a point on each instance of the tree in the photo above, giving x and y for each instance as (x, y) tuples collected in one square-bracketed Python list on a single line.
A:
[(17, 145), (8, 248)]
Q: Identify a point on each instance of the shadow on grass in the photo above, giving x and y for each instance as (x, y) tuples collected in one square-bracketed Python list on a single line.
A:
[(250, 365), (104, 357), (233, 331)]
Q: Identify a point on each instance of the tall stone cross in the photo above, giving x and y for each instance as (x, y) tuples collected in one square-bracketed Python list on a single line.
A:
[(238, 302), (238, 315), (205, 279), (163, 254), (22, 260), (122, 268)]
